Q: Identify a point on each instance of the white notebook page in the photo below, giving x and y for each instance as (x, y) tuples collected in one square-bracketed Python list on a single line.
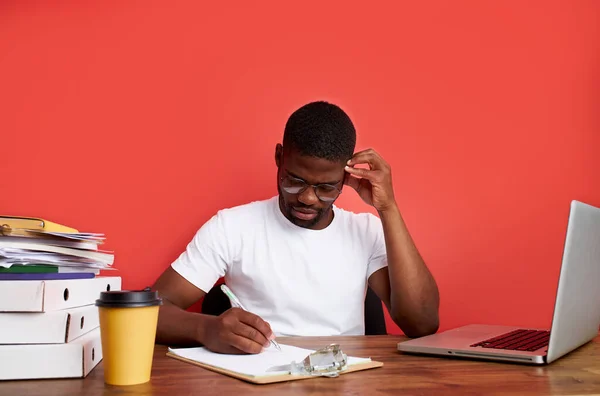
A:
[(253, 365)]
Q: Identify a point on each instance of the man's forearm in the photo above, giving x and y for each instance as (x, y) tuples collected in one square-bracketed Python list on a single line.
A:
[(180, 327), (414, 296)]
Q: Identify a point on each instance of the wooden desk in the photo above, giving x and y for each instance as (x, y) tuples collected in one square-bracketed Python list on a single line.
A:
[(575, 374)]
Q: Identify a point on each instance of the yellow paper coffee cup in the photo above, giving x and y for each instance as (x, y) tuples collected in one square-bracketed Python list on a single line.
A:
[(128, 322)]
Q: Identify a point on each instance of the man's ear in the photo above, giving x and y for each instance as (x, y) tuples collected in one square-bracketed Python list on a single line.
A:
[(278, 154)]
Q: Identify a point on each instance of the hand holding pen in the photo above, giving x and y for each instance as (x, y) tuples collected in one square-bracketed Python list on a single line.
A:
[(235, 302), (236, 331)]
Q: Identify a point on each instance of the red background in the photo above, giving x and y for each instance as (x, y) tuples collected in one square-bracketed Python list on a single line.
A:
[(141, 119)]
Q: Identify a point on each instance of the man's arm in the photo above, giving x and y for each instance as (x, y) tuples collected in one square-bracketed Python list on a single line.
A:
[(406, 286), (176, 326), (235, 331)]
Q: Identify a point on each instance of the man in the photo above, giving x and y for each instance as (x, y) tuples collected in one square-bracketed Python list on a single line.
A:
[(299, 264)]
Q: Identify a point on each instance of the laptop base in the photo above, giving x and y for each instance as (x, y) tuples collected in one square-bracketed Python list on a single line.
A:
[(457, 343)]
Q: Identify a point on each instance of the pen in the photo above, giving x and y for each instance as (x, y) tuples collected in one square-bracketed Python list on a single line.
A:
[(234, 301)]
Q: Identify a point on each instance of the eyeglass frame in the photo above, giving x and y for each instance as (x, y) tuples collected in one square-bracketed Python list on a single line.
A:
[(314, 186)]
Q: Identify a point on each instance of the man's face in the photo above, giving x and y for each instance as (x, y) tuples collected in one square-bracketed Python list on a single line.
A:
[(305, 209)]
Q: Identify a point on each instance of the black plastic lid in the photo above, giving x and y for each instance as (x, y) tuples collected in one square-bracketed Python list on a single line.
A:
[(129, 298)]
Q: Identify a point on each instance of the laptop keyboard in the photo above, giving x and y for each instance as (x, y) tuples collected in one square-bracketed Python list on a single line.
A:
[(518, 340)]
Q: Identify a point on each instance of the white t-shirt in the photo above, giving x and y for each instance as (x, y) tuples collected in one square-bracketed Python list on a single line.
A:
[(302, 282)]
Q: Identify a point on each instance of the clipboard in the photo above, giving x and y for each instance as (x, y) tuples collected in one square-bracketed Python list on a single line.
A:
[(274, 378)]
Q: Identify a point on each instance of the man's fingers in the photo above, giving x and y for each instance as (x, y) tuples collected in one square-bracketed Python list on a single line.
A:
[(374, 176), (251, 333), (370, 157), (361, 173), (352, 182), (366, 151), (244, 344), (365, 158), (257, 323)]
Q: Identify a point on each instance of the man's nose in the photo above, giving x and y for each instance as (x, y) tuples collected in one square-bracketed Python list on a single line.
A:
[(308, 197)]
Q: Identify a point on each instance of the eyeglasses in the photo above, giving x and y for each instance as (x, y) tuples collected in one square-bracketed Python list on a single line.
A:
[(293, 185)]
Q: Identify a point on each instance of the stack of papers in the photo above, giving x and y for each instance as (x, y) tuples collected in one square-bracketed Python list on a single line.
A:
[(67, 251)]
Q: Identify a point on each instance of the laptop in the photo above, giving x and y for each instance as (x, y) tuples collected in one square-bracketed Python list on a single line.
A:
[(576, 317)]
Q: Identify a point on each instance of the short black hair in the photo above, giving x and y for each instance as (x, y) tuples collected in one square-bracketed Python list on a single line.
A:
[(322, 130)]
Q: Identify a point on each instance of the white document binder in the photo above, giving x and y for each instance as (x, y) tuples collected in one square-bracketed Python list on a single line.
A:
[(71, 360), (53, 295), (56, 327)]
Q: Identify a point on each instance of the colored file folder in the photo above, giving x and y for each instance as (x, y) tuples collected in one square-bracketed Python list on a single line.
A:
[(35, 223)]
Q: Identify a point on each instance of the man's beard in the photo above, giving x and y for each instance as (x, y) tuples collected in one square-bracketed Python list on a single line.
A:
[(300, 223), (303, 223)]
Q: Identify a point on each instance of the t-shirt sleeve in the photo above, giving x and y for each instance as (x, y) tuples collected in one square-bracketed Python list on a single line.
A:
[(206, 257), (378, 258)]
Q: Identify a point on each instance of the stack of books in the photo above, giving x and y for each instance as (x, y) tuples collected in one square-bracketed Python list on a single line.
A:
[(49, 283)]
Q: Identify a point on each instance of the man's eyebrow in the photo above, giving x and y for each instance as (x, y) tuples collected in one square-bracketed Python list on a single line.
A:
[(298, 177)]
